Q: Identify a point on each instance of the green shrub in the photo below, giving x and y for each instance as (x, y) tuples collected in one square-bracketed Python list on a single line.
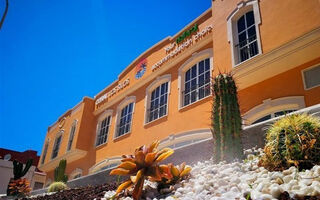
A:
[(293, 140), (57, 186)]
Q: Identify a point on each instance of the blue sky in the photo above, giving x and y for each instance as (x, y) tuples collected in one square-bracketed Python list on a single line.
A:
[(53, 53)]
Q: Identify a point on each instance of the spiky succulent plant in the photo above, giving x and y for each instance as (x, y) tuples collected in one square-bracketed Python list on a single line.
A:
[(172, 174), (292, 140), (144, 164), (20, 187)]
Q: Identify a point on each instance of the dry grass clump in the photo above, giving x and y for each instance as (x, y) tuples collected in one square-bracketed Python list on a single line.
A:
[(293, 140)]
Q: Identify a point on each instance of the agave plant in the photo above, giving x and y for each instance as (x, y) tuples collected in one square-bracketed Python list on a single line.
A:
[(19, 187), (140, 166), (172, 174)]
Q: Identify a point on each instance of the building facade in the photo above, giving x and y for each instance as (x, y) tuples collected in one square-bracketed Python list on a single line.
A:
[(272, 48)]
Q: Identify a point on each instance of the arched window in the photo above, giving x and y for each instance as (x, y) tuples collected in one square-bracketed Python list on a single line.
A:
[(273, 115), (77, 173), (71, 136), (243, 31), (194, 78), (247, 46), (103, 127), (44, 154), (157, 95), (107, 163), (57, 144), (271, 108), (125, 112)]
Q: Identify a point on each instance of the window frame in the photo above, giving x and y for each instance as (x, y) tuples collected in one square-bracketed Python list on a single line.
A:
[(122, 105), (154, 85), (45, 151), (195, 59), (103, 116), (270, 106), (60, 134), (76, 172), (71, 137), (303, 77), (232, 29)]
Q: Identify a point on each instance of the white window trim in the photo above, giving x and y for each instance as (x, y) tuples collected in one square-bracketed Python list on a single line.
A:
[(108, 161), (270, 106), (191, 137), (156, 83), (195, 58), (75, 122), (303, 79), (104, 115), (242, 8), (76, 172), (125, 102), (47, 142), (60, 133)]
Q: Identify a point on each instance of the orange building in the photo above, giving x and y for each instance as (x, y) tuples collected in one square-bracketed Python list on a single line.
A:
[(272, 48)]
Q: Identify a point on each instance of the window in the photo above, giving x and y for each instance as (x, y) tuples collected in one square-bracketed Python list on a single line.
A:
[(243, 31), (71, 136), (194, 77), (157, 98), (311, 77), (124, 125), (111, 166), (158, 103), (77, 173), (56, 147), (272, 115), (247, 37), (197, 82), (77, 176), (45, 152), (271, 108), (103, 131), (37, 185)]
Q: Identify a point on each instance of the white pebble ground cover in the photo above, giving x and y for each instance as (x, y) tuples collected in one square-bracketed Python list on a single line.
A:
[(209, 181)]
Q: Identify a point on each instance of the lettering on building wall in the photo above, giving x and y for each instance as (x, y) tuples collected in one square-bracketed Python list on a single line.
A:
[(174, 49), (112, 92), (187, 33)]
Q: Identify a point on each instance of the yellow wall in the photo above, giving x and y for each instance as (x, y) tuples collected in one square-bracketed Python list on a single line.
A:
[(282, 22)]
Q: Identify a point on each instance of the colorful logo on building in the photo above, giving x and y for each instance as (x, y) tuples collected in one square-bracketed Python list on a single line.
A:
[(141, 68)]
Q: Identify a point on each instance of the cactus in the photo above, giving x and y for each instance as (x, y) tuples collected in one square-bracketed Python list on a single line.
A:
[(18, 170), (292, 141), (57, 186), (59, 172), (226, 119)]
